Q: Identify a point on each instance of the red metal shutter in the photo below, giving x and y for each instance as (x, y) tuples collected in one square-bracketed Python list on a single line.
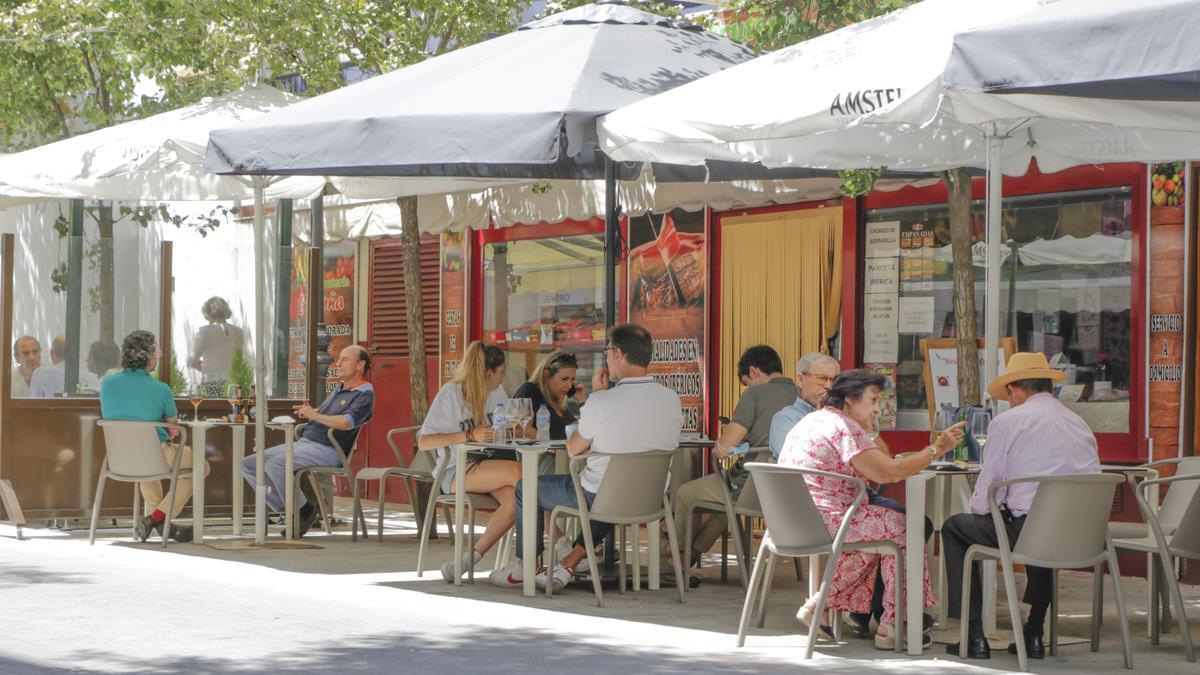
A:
[(389, 320)]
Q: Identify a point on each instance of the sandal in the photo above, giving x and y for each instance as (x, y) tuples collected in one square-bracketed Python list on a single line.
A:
[(805, 616), (888, 641)]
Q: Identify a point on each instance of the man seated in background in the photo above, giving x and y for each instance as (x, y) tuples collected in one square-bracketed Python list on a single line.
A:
[(769, 391), (49, 381), (133, 394), (27, 352), (345, 410), (814, 372)]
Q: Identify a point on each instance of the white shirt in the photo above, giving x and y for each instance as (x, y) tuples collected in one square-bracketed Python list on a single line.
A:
[(1040, 437), (20, 388), (448, 414), (636, 415), (48, 381), (215, 344)]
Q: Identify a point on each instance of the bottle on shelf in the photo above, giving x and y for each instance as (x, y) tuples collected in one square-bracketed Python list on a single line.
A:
[(543, 423)]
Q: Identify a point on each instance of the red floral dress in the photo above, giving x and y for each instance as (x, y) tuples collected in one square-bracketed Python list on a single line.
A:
[(826, 440)]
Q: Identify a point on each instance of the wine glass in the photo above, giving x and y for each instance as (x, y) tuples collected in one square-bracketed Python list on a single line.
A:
[(524, 414), (232, 397), (979, 426), (942, 420), (197, 398)]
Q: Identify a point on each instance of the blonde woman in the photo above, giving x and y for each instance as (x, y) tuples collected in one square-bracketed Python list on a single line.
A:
[(551, 384), (459, 414)]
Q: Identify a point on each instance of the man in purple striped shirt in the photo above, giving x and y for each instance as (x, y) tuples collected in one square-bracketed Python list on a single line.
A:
[(1039, 436)]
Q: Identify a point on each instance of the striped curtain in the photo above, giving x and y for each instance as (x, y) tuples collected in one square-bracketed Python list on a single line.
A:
[(781, 285)]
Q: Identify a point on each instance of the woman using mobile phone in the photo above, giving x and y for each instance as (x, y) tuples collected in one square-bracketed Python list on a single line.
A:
[(551, 384)]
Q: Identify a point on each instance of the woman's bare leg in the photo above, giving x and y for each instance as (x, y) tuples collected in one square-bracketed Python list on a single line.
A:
[(497, 478)]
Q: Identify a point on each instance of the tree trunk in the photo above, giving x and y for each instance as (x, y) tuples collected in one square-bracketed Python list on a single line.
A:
[(958, 185), (410, 237), (104, 219)]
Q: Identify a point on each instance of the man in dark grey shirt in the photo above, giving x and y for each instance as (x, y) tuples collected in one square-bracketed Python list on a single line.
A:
[(769, 391)]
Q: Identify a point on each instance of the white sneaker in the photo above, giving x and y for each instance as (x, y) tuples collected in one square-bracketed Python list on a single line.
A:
[(583, 566), (508, 577), (448, 568), (559, 577)]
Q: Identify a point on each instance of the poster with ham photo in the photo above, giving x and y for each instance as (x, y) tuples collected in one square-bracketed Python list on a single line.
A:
[(668, 279)]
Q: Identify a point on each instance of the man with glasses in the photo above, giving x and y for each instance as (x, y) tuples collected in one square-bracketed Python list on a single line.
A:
[(769, 391), (28, 354), (814, 373)]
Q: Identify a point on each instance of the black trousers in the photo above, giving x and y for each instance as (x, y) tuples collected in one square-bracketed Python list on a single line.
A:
[(958, 534)]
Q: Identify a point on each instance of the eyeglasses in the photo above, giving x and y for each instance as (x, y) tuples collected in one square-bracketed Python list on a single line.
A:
[(819, 379)]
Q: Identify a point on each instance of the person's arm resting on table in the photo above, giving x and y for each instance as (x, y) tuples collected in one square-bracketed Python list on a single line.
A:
[(877, 466)]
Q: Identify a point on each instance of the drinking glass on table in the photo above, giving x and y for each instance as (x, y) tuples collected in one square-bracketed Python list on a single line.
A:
[(524, 413), (942, 420), (197, 397), (979, 426), (512, 413)]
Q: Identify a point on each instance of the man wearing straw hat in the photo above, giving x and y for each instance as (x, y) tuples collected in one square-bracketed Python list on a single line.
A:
[(1039, 436)]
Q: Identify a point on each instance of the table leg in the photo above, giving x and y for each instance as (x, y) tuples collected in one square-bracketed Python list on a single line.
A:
[(239, 452), (653, 572), (460, 501), (199, 440), (914, 549), (289, 485), (260, 494), (529, 516)]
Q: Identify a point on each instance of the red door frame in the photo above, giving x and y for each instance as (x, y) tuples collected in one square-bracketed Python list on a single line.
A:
[(1114, 447)]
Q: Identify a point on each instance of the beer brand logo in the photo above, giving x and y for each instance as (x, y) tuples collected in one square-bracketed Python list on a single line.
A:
[(863, 102)]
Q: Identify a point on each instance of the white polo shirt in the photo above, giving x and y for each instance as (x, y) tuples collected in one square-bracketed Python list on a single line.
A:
[(636, 415)]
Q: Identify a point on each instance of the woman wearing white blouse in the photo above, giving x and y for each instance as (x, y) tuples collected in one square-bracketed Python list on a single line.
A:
[(214, 346), (459, 414)]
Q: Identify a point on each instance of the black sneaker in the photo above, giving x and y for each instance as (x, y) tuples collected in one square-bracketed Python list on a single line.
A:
[(142, 527), (307, 516), (179, 533)]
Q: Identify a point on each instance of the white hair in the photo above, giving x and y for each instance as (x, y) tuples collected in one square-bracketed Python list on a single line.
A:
[(805, 363)]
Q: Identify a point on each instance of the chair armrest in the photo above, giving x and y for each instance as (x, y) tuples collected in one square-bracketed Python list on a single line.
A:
[(342, 454), (391, 436)]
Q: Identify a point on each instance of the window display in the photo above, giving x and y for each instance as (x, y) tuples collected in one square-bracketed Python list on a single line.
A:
[(1065, 291)]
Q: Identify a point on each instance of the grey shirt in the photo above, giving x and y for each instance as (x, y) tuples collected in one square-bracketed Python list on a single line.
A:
[(758, 406)]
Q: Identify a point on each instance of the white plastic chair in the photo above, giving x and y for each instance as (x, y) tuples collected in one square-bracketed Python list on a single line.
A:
[(745, 508), (342, 471), (475, 501), (632, 492), (1180, 541), (133, 454), (795, 529), (1066, 528), (420, 470)]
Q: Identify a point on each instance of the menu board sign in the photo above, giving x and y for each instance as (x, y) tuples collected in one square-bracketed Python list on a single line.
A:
[(667, 285), (453, 305)]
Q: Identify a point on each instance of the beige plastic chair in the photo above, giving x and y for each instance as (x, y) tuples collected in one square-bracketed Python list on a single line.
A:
[(420, 470), (133, 453), (746, 507), (1181, 541), (342, 471), (795, 529), (1066, 528), (475, 502), (632, 492)]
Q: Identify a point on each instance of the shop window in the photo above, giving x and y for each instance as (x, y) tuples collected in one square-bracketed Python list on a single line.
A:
[(542, 295), (1065, 291)]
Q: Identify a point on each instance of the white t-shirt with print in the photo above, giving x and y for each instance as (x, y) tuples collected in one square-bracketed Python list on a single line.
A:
[(636, 415), (448, 414)]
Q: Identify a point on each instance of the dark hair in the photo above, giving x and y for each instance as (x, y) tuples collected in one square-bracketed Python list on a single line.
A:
[(1034, 385), (365, 357), (104, 355), (493, 356), (851, 384), (25, 337), (216, 308), (137, 349), (634, 341), (763, 357)]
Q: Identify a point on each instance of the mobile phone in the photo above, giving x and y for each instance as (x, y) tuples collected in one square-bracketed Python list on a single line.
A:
[(573, 390)]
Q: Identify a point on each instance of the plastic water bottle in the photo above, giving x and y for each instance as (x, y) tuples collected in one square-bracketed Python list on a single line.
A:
[(499, 423), (543, 423)]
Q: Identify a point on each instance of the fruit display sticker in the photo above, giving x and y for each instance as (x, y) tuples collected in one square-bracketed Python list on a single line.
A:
[(667, 280)]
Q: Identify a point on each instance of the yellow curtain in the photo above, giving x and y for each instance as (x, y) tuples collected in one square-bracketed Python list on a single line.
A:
[(781, 285)]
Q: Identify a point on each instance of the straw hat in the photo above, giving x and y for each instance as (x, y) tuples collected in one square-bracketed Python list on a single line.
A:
[(1024, 366)]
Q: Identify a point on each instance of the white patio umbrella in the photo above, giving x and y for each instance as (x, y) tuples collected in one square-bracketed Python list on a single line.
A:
[(872, 94), (161, 158)]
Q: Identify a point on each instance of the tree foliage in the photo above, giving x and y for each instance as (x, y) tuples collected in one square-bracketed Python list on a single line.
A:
[(768, 25)]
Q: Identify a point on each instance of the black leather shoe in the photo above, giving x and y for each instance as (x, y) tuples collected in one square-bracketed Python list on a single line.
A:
[(307, 516), (860, 624), (142, 527), (977, 648), (1034, 647), (179, 533)]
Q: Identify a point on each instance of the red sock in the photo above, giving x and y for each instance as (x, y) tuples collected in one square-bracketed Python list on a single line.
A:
[(158, 515)]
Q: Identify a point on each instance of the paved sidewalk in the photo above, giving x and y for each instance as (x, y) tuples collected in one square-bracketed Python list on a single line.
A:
[(359, 607)]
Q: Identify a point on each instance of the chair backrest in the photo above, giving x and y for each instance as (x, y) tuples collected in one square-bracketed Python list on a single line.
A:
[(1179, 494), (1185, 540), (1068, 520), (133, 449), (792, 518), (421, 461), (747, 501), (633, 485)]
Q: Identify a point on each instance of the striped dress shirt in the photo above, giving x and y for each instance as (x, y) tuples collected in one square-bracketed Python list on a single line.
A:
[(1040, 437)]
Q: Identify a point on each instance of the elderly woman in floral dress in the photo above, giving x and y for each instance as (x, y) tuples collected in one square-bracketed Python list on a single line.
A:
[(838, 439)]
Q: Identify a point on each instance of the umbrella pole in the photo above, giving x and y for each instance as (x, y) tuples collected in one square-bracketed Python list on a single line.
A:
[(610, 242), (991, 321), (260, 362)]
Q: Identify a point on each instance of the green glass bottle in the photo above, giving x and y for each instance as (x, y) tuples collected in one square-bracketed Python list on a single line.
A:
[(962, 451)]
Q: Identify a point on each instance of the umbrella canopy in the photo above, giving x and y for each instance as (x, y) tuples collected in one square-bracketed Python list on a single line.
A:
[(1094, 60), (872, 94), (158, 158), (520, 105)]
